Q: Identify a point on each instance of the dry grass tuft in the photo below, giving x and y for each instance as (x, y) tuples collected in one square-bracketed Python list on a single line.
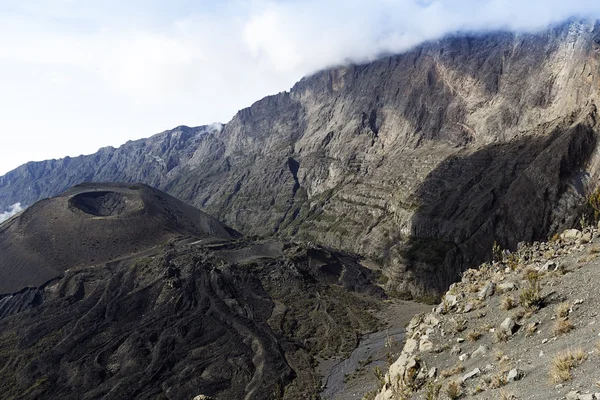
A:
[(458, 325), (474, 335), (563, 363), (530, 329), (504, 395), (501, 336), (562, 326), (562, 310), (498, 355), (508, 303), (498, 381), (595, 250), (531, 297), (454, 390), (458, 368)]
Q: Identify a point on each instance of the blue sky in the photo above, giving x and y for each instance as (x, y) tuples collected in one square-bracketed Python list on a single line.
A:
[(76, 75)]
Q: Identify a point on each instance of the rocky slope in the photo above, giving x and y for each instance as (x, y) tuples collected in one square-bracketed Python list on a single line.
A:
[(418, 161), (174, 305), (523, 327)]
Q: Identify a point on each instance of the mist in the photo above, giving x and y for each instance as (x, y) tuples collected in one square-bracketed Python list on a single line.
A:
[(12, 210)]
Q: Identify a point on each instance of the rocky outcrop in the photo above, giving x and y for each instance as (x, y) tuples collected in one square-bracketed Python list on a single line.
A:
[(533, 338), (418, 161)]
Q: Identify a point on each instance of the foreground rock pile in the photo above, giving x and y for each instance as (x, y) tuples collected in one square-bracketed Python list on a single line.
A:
[(523, 327)]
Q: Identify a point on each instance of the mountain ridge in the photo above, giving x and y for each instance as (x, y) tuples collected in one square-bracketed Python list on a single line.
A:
[(349, 155)]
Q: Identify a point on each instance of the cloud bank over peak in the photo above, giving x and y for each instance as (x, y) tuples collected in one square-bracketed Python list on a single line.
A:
[(80, 75)]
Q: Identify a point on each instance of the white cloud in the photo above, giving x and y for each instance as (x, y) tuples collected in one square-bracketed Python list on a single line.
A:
[(79, 75), (12, 210)]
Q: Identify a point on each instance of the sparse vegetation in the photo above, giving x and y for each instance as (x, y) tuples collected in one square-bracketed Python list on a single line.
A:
[(508, 303), (458, 325), (531, 297), (498, 355), (498, 380), (474, 335), (530, 329), (457, 369), (501, 336), (497, 252), (562, 326), (504, 395), (594, 203), (433, 391), (562, 310), (454, 390), (563, 363)]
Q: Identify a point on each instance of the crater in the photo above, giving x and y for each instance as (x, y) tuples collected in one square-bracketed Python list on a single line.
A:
[(103, 204)]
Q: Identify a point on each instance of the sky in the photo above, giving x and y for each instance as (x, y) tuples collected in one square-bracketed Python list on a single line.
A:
[(77, 75)]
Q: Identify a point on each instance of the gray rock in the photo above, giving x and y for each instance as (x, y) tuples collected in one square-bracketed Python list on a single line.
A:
[(471, 374), (573, 395), (463, 357), (410, 346), (451, 300), (509, 326), (487, 291), (481, 351), (432, 373), (571, 234), (507, 286), (549, 266), (514, 375), (425, 345)]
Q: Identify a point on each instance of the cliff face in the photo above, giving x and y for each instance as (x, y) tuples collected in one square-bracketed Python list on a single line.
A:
[(418, 160)]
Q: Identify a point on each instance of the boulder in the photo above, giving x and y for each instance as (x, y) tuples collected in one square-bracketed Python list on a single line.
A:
[(509, 326), (571, 234), (471, 374), (514, 375), (410, 346), (549, 266), (487, 291), (481, 351), (507, 286)]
